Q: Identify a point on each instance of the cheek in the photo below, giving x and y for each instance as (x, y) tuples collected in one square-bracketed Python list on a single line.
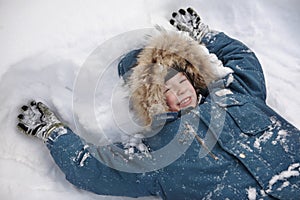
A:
[(190, 87), (193, 93), (171, 100)]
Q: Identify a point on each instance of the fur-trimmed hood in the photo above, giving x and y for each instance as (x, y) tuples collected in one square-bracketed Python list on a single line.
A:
[(165, 51)]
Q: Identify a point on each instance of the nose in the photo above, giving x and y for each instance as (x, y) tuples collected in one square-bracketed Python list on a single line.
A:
[(180, 91)]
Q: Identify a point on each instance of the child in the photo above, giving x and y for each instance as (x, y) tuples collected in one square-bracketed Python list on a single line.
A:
[(180, 93), (250, 151)]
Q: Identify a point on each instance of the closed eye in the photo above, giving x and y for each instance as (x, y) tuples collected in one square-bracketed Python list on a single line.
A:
[(182, 80), (166, 90)]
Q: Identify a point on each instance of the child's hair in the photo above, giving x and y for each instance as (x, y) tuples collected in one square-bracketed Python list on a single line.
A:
[(197, 81)]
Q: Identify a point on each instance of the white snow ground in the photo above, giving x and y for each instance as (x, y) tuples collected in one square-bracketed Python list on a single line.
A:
[(44, 43)]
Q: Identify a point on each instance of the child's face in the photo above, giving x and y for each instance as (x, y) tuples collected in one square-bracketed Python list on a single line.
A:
[(180, 93)]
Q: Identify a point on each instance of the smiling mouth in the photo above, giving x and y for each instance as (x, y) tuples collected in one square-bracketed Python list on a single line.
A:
[(185, 102)]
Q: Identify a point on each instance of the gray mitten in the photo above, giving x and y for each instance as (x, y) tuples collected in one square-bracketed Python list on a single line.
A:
[(189, 21), (37, 120)]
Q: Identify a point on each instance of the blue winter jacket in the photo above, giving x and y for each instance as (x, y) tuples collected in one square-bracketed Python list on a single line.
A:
[(249, 151)]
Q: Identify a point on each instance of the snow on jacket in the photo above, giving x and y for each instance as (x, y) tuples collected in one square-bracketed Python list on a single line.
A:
[(250, 150)]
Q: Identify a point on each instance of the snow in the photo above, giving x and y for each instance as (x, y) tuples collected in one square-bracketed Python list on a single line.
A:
[(223, 92), (281, 138), (45, 43), (251, 193), (262, 139), (283, 177)]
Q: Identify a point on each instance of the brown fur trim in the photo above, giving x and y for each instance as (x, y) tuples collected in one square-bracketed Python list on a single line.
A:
[(164, 51)]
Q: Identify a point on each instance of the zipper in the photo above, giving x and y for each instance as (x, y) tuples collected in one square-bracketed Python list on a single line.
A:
[(200, 141)]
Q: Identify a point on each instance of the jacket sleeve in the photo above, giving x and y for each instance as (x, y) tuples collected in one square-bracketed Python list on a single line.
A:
[(82, 169), (248, 74)]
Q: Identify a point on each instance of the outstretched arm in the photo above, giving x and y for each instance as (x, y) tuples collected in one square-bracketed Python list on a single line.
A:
[(248, 74), (82, 169), (75, 158)]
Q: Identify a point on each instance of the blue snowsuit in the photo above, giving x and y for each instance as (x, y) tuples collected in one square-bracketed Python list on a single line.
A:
[(258, 151)]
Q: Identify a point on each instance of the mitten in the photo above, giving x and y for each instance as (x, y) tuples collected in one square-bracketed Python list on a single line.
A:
[(36, 119), (189, 21)]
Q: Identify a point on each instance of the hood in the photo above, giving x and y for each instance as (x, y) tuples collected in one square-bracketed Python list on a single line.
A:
[(161, 53)]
